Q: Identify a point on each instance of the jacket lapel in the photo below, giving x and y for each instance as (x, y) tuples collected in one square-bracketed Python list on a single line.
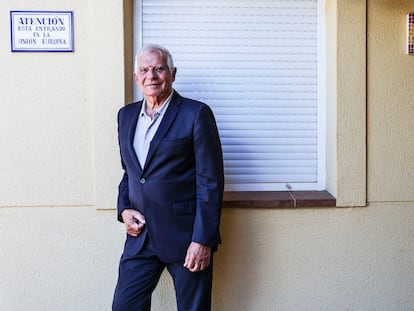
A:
[(131, 134), (165, 124)]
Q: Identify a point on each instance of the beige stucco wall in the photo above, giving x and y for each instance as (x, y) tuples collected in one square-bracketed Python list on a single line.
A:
[(390, 104), (60, 244), (326, 259), (350, 105)]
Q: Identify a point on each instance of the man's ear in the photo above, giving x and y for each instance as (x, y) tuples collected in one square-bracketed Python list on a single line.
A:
[(173, 73), (135, 76)]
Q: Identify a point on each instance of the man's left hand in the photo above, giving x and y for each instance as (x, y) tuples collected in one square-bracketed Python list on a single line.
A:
[(198, 257)]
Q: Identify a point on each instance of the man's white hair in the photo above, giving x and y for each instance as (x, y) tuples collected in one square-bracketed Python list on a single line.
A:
[(157, 48)]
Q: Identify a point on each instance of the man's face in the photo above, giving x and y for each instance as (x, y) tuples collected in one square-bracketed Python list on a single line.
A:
[(153, 76)]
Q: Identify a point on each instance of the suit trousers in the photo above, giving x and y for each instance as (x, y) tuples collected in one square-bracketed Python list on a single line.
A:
[(139, 275)]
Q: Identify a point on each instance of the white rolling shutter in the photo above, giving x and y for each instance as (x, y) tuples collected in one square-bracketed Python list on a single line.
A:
[(256, 64)]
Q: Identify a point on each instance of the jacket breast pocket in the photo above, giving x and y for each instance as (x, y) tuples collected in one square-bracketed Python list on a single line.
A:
[(185, 141), (177, 147), (184, 208)]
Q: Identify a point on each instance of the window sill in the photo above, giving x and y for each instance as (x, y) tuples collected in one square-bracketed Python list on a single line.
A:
[(277, 199)]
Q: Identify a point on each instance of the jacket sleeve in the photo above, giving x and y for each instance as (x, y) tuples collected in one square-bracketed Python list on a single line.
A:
[(123, 195), (209, 178), (123, 191)]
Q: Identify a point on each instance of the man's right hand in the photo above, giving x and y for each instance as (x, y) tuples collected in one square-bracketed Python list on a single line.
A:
[(134, 221)]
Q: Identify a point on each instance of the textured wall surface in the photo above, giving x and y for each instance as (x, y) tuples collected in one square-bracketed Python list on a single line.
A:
[(350, 103), (47, 133), (293, 260), (390, 103)]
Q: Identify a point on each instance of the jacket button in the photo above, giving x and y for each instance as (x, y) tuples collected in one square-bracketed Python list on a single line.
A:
[(142, 180)]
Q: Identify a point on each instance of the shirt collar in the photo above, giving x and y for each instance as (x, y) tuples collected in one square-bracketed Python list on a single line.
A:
[(159, 111)]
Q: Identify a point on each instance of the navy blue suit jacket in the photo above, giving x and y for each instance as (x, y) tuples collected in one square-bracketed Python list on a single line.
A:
[(180, 188)]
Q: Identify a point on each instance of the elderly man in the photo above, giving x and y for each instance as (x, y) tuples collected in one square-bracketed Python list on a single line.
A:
[(171, 191)]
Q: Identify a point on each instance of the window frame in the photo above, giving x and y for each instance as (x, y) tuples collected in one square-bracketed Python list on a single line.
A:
[(346, 176)]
